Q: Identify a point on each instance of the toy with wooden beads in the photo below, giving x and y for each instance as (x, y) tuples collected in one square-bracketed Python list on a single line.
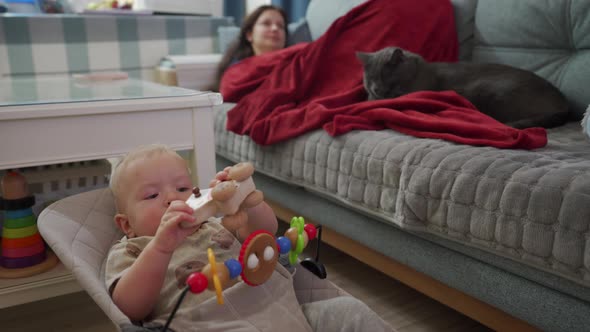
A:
[(258, 256)]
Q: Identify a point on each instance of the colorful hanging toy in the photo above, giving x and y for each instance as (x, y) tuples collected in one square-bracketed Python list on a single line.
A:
[(260, 251), (23, 250), (257, 260), (258, 256)]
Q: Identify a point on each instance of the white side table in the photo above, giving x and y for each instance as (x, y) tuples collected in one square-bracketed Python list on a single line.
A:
[(55, 120)]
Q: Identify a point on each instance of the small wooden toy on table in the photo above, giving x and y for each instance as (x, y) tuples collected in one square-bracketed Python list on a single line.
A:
[(260, 251), (23, 252)]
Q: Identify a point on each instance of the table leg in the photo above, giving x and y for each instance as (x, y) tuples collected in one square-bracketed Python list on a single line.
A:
[(203, 154)]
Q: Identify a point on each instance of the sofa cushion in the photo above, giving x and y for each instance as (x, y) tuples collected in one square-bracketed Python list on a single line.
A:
[(321, 14), (299, 32), (464, 11), (226, 35), (549, 37)]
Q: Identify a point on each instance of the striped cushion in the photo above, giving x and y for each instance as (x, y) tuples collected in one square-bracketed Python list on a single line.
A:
[(65, 44)]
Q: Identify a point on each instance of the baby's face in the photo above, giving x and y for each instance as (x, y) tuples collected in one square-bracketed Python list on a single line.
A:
[(149, 185)]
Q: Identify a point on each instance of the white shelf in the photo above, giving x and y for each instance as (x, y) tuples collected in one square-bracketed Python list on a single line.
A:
[(55, 282)]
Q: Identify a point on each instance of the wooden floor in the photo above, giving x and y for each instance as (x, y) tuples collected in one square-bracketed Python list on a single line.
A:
[(404, 308)]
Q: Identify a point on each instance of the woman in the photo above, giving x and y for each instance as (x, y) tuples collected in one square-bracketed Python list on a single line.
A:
[(263, 31)]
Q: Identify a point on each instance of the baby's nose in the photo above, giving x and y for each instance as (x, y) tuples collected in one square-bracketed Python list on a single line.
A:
[(172, 196)]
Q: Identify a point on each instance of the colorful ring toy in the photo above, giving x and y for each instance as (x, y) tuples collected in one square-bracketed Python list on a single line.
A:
[(17, 204), (18, 263), (20, 222), (22, 242), (17, 233), (24, 252), (15, 214)]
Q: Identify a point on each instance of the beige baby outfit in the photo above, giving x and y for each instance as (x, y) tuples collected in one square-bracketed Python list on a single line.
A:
[(272, 306)]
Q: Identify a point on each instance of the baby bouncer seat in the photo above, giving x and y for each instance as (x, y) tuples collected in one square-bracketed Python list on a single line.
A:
[(80, 230)]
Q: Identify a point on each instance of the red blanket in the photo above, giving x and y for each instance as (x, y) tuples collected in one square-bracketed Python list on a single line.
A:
[(287, 93)]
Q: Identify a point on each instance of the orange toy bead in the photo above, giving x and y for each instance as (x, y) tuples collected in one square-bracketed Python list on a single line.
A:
[(222, 273), (292, 235)]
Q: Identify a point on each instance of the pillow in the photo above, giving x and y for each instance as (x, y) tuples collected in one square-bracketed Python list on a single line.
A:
[(320, 14), (226, 35), (298, 32), (586, 122)]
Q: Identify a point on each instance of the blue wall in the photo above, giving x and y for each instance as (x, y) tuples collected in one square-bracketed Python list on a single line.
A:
[(237, 9)]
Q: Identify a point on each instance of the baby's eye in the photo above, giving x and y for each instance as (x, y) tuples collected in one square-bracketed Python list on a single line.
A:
[(183, 189), (152, 196)]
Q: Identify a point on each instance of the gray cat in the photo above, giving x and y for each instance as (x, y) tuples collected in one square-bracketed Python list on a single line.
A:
[(513, 96)]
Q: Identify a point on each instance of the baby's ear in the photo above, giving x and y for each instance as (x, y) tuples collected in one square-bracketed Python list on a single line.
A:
[(364, 57), (122, 222)]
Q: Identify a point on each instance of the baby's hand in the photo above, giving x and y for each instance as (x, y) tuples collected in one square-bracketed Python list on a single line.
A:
[(220, 177), (169, 234), (240, 172)]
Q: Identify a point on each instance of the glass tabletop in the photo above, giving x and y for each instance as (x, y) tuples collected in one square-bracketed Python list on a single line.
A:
[(47, 90)]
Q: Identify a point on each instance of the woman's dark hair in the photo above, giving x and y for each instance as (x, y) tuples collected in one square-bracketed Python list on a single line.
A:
[(241, 48)]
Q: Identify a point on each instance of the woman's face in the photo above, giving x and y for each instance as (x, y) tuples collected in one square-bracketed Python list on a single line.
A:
[(268, 33)]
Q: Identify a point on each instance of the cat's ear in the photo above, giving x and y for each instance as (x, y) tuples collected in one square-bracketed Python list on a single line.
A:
[(397, 56), (364, 57)]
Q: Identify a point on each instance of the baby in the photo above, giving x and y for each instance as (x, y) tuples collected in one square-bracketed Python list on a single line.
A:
[(164, 244)]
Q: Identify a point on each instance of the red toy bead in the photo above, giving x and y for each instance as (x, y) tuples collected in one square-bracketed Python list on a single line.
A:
[(197, 282), (311, 231)]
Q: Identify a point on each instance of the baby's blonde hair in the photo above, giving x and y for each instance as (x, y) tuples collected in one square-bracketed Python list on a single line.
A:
[(144, 151)]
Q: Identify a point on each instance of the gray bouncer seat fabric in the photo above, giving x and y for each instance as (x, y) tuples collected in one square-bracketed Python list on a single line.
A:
[(80, 230)]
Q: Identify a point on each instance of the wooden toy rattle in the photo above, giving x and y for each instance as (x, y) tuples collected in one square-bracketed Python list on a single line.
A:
[(226, 198)]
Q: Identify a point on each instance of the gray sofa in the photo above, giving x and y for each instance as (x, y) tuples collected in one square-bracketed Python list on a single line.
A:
[(500, 235)]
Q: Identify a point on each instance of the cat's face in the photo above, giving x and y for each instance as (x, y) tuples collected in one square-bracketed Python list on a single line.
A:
[(388, 73)]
